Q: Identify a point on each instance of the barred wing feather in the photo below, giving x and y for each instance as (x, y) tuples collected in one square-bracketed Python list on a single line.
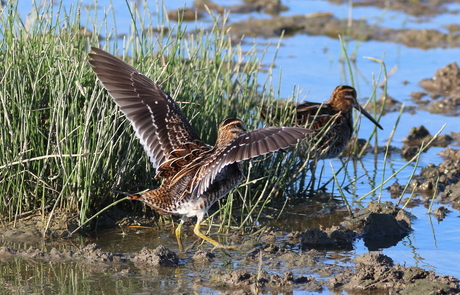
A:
[(246, 146), (156, 118)]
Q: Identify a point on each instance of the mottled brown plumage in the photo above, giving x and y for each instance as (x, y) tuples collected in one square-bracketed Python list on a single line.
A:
[(333, 121), (195, 175)]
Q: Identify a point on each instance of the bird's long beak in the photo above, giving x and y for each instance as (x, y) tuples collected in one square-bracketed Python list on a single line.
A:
[(367, 115)]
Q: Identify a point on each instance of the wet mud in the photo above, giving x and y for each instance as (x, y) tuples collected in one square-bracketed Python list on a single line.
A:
[(300, 255)]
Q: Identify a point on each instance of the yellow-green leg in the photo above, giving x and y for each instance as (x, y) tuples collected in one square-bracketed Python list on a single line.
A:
[(208, 239), (178, 236)]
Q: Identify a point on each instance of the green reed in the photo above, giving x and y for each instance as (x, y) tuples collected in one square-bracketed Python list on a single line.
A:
[(67, 148)]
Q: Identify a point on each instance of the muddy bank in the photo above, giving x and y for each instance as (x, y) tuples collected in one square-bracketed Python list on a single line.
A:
[(272, 7), (420, 9), (92, 253), (326, 24), (270, 261), (35, 228), (370, 272)]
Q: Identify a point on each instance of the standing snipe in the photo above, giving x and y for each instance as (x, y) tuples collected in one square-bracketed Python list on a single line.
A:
[(333, 120), (195, 175)]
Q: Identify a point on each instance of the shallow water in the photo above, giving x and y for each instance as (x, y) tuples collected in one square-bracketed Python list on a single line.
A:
[(312, 63)]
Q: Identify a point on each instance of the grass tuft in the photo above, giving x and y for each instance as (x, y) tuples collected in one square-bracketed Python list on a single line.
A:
[(65, 145), (67, 148)]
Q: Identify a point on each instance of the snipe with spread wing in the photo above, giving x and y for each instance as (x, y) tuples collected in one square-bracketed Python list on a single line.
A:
[(195, 175), (333, 120)]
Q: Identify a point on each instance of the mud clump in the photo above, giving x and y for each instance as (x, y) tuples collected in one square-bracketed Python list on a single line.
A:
[(363, 220), (420, 135), (418, 9), (443, 89), (92, 253), (332, 238), (452, 193), (381, 225), (273, 7), (185, 14), (443, 179), (440, 212), (376, 271), (450, 153), (244, 280), (445, 81), (437, 177), (159, 256)]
